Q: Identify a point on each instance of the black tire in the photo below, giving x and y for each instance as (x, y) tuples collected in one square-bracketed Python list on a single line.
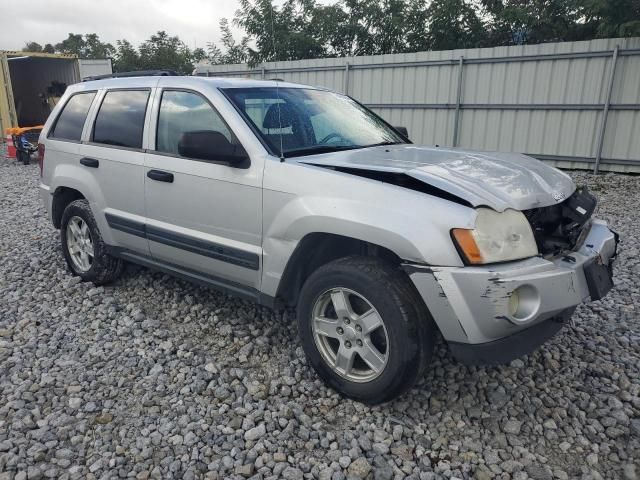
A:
[(409, 326), (104, 268)]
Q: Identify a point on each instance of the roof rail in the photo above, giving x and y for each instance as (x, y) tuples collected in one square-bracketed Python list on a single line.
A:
[(139, 73)]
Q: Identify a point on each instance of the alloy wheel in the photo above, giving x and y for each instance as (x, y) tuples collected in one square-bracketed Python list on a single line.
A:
[(79, 244), (350, 335)]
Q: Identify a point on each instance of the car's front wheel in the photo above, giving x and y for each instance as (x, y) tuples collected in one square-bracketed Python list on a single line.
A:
[(83, 247), (364, 329)]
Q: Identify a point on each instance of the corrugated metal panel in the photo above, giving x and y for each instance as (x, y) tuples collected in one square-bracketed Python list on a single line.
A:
[(546, 100)]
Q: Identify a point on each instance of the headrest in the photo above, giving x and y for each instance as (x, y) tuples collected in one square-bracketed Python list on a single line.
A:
[(279, 119)]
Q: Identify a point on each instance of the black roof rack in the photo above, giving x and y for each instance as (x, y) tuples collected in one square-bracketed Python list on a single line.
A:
[(139, 73)]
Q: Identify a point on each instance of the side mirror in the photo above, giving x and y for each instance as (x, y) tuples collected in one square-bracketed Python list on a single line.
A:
[(214, 146), (403, 131)]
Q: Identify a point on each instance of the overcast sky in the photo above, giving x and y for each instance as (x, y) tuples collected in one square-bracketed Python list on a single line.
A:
[(49, 21)]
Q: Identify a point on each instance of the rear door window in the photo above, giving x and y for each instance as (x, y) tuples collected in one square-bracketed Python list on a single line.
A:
[(120, 120), (71, 120)]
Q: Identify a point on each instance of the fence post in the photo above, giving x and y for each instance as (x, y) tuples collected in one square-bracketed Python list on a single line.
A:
[(605, 110), (347, 67), (263, 73), (456, 118)]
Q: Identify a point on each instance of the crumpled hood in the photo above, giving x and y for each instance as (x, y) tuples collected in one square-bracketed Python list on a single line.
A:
[(496, 180)]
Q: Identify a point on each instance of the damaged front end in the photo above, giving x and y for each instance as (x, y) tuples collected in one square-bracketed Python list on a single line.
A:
[(563, 227), (496, 312)]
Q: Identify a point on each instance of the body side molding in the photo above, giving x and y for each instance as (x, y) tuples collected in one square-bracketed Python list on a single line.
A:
[(213, 250)]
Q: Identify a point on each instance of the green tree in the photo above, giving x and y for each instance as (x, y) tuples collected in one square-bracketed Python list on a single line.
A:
[(335, 29), (126, 58), (73, 44), (32, 47), (164, 52), (198, 55), (377, 26), (85, 46), (532, 21), (48, 48), (285, 33), (453, 24), (610, 18), (94, 48), (231, 51), (305, 29)]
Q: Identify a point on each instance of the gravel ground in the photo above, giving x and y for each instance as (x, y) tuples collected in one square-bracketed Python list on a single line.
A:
[(154, 377)]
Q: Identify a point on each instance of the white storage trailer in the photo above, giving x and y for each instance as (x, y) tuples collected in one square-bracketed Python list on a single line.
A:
[(30, 84), (92, 67)]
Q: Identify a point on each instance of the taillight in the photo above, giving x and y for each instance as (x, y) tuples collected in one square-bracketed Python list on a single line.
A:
[(41, 157)]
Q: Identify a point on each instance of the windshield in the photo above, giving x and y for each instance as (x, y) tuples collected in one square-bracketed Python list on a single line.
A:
[(301, 121)]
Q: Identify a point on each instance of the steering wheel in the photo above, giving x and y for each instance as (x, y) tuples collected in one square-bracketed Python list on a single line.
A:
[(329, 137)]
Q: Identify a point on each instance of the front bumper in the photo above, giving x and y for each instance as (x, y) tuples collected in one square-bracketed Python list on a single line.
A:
[(513, 346), (471, 304)]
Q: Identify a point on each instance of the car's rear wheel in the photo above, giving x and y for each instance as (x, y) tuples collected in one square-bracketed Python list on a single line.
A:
[(364, 328), (79, 244), (83, 247)]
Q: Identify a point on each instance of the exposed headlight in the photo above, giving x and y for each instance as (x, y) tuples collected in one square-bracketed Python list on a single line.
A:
[(496, 237)]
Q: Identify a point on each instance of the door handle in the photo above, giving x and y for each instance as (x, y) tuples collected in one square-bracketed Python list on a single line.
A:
[(160, 176), (90, 162)]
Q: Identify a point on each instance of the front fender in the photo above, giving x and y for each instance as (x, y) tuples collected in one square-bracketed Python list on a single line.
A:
[(411, 231)]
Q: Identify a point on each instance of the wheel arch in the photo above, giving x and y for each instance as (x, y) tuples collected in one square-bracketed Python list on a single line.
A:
[(63, 196), (318, 248)]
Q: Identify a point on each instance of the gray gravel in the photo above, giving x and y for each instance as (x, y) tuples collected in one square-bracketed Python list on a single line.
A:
[(154, 377)]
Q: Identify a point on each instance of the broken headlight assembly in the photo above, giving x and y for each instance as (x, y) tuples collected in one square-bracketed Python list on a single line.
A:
[(496, 237), (564, 226)]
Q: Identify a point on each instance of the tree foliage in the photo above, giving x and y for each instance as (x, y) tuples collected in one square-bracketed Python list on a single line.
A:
[(32, 47), (231, 51), (36, 47), (306, 29), (301, 29), (126, 57), (85, 46), (163, 51)]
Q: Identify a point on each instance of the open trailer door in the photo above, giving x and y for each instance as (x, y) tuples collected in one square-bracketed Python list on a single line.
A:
[(8, 117)]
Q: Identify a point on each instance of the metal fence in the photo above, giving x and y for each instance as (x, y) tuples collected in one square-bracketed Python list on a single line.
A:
[(575, 104)]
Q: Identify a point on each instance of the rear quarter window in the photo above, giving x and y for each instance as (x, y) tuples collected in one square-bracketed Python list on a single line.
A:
[(71, 120), (120, 120)]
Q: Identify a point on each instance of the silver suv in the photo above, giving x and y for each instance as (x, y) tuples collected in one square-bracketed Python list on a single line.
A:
[(295, 196)]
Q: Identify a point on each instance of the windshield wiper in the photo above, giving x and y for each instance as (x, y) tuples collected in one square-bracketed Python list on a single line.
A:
[(312, 150), (387, 142)]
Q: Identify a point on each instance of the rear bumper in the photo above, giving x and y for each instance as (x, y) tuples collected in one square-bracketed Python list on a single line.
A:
[(471, 304), (46, 197)]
